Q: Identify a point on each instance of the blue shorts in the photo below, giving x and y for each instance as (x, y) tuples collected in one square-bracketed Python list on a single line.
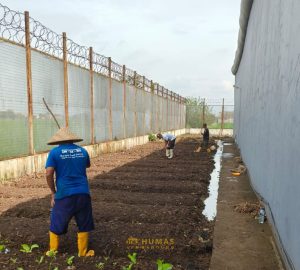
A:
[(78, 206)]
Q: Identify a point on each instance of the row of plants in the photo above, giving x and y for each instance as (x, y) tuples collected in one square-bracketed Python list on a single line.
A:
[(50, 257)]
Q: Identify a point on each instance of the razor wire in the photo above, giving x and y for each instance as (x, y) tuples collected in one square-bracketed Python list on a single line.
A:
[(45, 40), (139, 81), (116, 71), (147, 85), (160, 91), (100, 64), (12, 25), (12, 28), (129, 76), (77, 54)]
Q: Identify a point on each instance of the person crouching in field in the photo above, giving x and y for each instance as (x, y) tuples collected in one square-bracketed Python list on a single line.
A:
[(70, 195), (169, 143), (205, 135)]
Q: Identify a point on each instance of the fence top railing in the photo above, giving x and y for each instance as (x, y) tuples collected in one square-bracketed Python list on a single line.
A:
[(43, 39)]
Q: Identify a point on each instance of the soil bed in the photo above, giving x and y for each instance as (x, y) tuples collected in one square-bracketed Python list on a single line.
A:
[(142, 202)]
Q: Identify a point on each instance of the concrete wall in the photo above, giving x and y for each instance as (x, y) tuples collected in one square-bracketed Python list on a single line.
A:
[(267, 114), (18, 167)]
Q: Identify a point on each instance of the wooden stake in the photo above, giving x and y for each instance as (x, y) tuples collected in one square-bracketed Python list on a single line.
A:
[(124, 101), (110, 99), (152, 108), (29, 84), (144, 114), (92, 96), (135, 105), (66, 87)]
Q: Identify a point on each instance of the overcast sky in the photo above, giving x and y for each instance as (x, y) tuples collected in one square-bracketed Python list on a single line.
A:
[(186, 46)]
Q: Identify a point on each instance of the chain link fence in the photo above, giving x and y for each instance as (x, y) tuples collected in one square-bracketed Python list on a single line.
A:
[(97, 98), (217, 114)]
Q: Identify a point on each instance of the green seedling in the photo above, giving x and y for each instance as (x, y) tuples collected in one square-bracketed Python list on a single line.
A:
[(2, 248), (132, 258), (20, 268), (40, 260), (70, 260), (28, 248), (13, 260), (161, 265), (100, 265), (52, 254)]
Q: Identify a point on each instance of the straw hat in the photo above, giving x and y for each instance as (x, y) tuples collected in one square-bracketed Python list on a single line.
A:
[(63, 135)]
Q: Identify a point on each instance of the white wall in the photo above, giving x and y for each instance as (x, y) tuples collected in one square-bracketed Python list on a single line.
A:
[(267, 113)]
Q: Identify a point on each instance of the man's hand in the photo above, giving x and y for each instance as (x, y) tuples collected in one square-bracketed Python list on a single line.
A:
[(166, 144), (52, 202), (50, 182)]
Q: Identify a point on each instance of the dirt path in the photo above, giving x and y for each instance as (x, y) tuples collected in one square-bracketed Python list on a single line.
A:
[(240, 242), (142, 203)]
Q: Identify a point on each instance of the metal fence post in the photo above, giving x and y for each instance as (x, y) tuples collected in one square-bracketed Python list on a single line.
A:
[(124, 100), (92, 96), (135, 104), (110, 99), (29, 83), (66, 87)]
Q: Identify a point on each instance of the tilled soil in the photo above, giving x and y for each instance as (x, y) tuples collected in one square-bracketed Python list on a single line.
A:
[(142, 202)]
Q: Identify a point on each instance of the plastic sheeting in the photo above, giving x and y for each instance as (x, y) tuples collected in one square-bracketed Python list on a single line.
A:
[(79, 102), (101, 108), (117, 110), (145, 112), (13, 101), (140, 102), (130, 111), (147, 108), (48, 83)]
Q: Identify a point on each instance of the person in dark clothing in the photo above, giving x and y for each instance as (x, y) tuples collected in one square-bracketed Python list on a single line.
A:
[(205, 135)]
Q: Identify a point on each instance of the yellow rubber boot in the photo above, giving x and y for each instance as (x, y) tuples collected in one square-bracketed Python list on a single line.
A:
[(54, 242), (82, 242)]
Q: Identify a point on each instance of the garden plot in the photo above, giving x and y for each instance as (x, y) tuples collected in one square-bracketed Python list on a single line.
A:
[(142, 203)]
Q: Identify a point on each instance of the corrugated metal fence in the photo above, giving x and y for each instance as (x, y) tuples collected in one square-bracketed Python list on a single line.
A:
[(97, 98)]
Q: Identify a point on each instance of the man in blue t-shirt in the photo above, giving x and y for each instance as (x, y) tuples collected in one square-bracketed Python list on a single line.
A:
[(169, 143), (70, 195)]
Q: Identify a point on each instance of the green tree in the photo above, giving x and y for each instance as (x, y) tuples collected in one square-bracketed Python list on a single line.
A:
[(195, 107)]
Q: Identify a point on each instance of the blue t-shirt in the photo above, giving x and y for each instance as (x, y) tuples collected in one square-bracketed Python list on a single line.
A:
[(168, 137), (70, 162)]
